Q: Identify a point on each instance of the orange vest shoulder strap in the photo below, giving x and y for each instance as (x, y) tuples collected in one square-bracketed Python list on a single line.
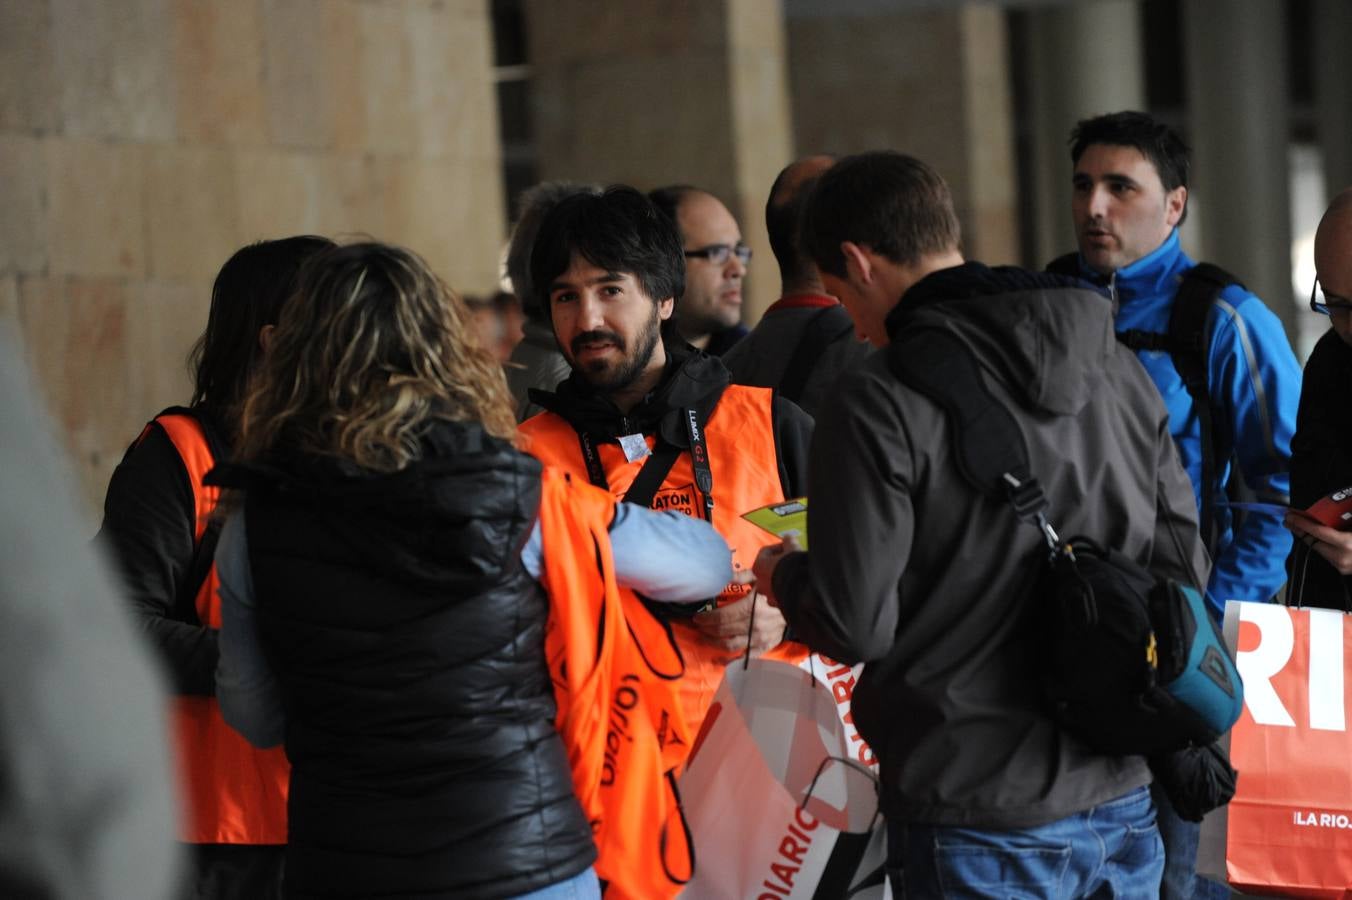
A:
[(188, 438)]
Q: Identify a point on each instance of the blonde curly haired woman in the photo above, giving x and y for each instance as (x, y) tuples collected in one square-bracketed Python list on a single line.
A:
[(382, 616)]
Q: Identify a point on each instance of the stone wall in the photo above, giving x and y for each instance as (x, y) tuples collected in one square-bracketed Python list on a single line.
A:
[(648, 93), (143, 141), (931, 82)]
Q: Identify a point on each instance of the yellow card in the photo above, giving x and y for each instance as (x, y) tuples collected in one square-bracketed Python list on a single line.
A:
[(782, 519)]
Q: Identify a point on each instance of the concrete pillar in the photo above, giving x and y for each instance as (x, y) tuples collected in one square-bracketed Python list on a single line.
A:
[(1082, 60), (1235, 55), (929, 82), (650, 93), (1332, 26)]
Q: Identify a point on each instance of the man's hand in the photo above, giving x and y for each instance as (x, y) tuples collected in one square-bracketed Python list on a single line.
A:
[(766, 562), (1333, 545), (726, 627)]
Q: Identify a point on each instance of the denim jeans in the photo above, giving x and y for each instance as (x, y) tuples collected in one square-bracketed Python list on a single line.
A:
[(1181, 881), (1110, 850), (583, 886)]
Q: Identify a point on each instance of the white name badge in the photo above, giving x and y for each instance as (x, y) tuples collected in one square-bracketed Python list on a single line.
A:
[(634, 447)]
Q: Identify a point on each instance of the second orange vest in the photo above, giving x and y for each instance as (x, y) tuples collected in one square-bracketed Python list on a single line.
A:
[(615, 673), (233, 792)]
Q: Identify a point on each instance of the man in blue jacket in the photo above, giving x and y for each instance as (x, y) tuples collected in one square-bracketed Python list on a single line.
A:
[(1129, 195)]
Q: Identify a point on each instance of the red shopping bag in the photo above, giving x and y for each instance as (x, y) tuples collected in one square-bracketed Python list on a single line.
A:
[(1288, 829)]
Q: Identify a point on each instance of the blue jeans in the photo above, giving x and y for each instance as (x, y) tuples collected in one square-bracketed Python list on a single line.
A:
[(1111, 850), (1181, 881), (583, 886)]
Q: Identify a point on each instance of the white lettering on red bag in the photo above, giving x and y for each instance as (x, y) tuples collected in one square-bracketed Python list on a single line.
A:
[(1309, 818), (1258, 666)]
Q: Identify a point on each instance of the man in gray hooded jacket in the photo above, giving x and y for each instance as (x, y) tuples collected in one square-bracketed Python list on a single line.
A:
[(928, 582)]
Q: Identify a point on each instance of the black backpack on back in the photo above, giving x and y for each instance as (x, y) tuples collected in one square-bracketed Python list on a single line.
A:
[(1130, 664), (1185, 342)]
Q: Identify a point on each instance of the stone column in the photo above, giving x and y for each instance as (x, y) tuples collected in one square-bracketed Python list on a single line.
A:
[(930, 82), (647, 93), (1082, 59), (1239, 126), (1332, 26)]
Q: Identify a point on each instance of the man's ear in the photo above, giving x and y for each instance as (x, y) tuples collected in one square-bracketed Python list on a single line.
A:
[(665, 308), (858, 265), (1174, 203), (265, 336)]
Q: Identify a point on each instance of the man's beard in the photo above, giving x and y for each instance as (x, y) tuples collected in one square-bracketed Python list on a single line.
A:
[(608, 379)]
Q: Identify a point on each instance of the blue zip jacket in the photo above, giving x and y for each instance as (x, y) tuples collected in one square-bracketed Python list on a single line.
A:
[(1254, 381)]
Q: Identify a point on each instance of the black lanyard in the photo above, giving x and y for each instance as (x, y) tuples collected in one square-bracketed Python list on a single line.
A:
[(658, 465)]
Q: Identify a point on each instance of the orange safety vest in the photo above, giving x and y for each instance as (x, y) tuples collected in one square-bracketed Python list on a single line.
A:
[(615, 670), (234, 793), (745, 465)]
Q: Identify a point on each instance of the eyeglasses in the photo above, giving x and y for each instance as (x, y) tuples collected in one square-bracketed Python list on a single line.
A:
[(1328, 303), (718, 254)]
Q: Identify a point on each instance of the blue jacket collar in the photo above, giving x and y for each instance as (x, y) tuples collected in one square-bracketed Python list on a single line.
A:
[(1155, 273)]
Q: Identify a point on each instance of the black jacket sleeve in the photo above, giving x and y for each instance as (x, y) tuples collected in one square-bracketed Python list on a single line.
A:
[(148, 532), (1321, 463), (842, 598), (793, 435)]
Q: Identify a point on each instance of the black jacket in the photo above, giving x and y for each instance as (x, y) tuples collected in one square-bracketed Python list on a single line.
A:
[(1321, 463), (928, 582), (408, 643), (763, 358), (148, 531), (692, 380)]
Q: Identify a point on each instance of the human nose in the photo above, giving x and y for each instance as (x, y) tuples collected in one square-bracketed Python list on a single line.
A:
[(589, 313), (1097, 205), (734, 268)]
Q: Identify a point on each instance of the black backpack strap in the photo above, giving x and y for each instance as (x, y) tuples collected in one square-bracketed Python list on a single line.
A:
[(651, 476), (1069, 264), (991, 451), (819, 332), (1197, 293)]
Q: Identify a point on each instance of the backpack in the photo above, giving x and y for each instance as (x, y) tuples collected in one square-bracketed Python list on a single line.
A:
[(826, 326), (1185, 342), (1129, 663)]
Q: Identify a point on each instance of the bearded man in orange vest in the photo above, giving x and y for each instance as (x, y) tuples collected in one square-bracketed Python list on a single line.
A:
[(654, 420)]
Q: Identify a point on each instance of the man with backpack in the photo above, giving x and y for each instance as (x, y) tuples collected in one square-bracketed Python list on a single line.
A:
[(1217, 354), (805, 339), (931, 581)]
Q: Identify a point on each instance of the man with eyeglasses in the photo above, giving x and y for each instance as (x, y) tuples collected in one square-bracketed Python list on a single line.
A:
[(1129, 194), (709, 316), (1321, 452)]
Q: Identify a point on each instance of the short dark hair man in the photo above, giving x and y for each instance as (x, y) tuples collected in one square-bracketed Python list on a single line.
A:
[(1129, 193), (653, 420), (536, 361), (927, 582), (710, 314), (806, 338)]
